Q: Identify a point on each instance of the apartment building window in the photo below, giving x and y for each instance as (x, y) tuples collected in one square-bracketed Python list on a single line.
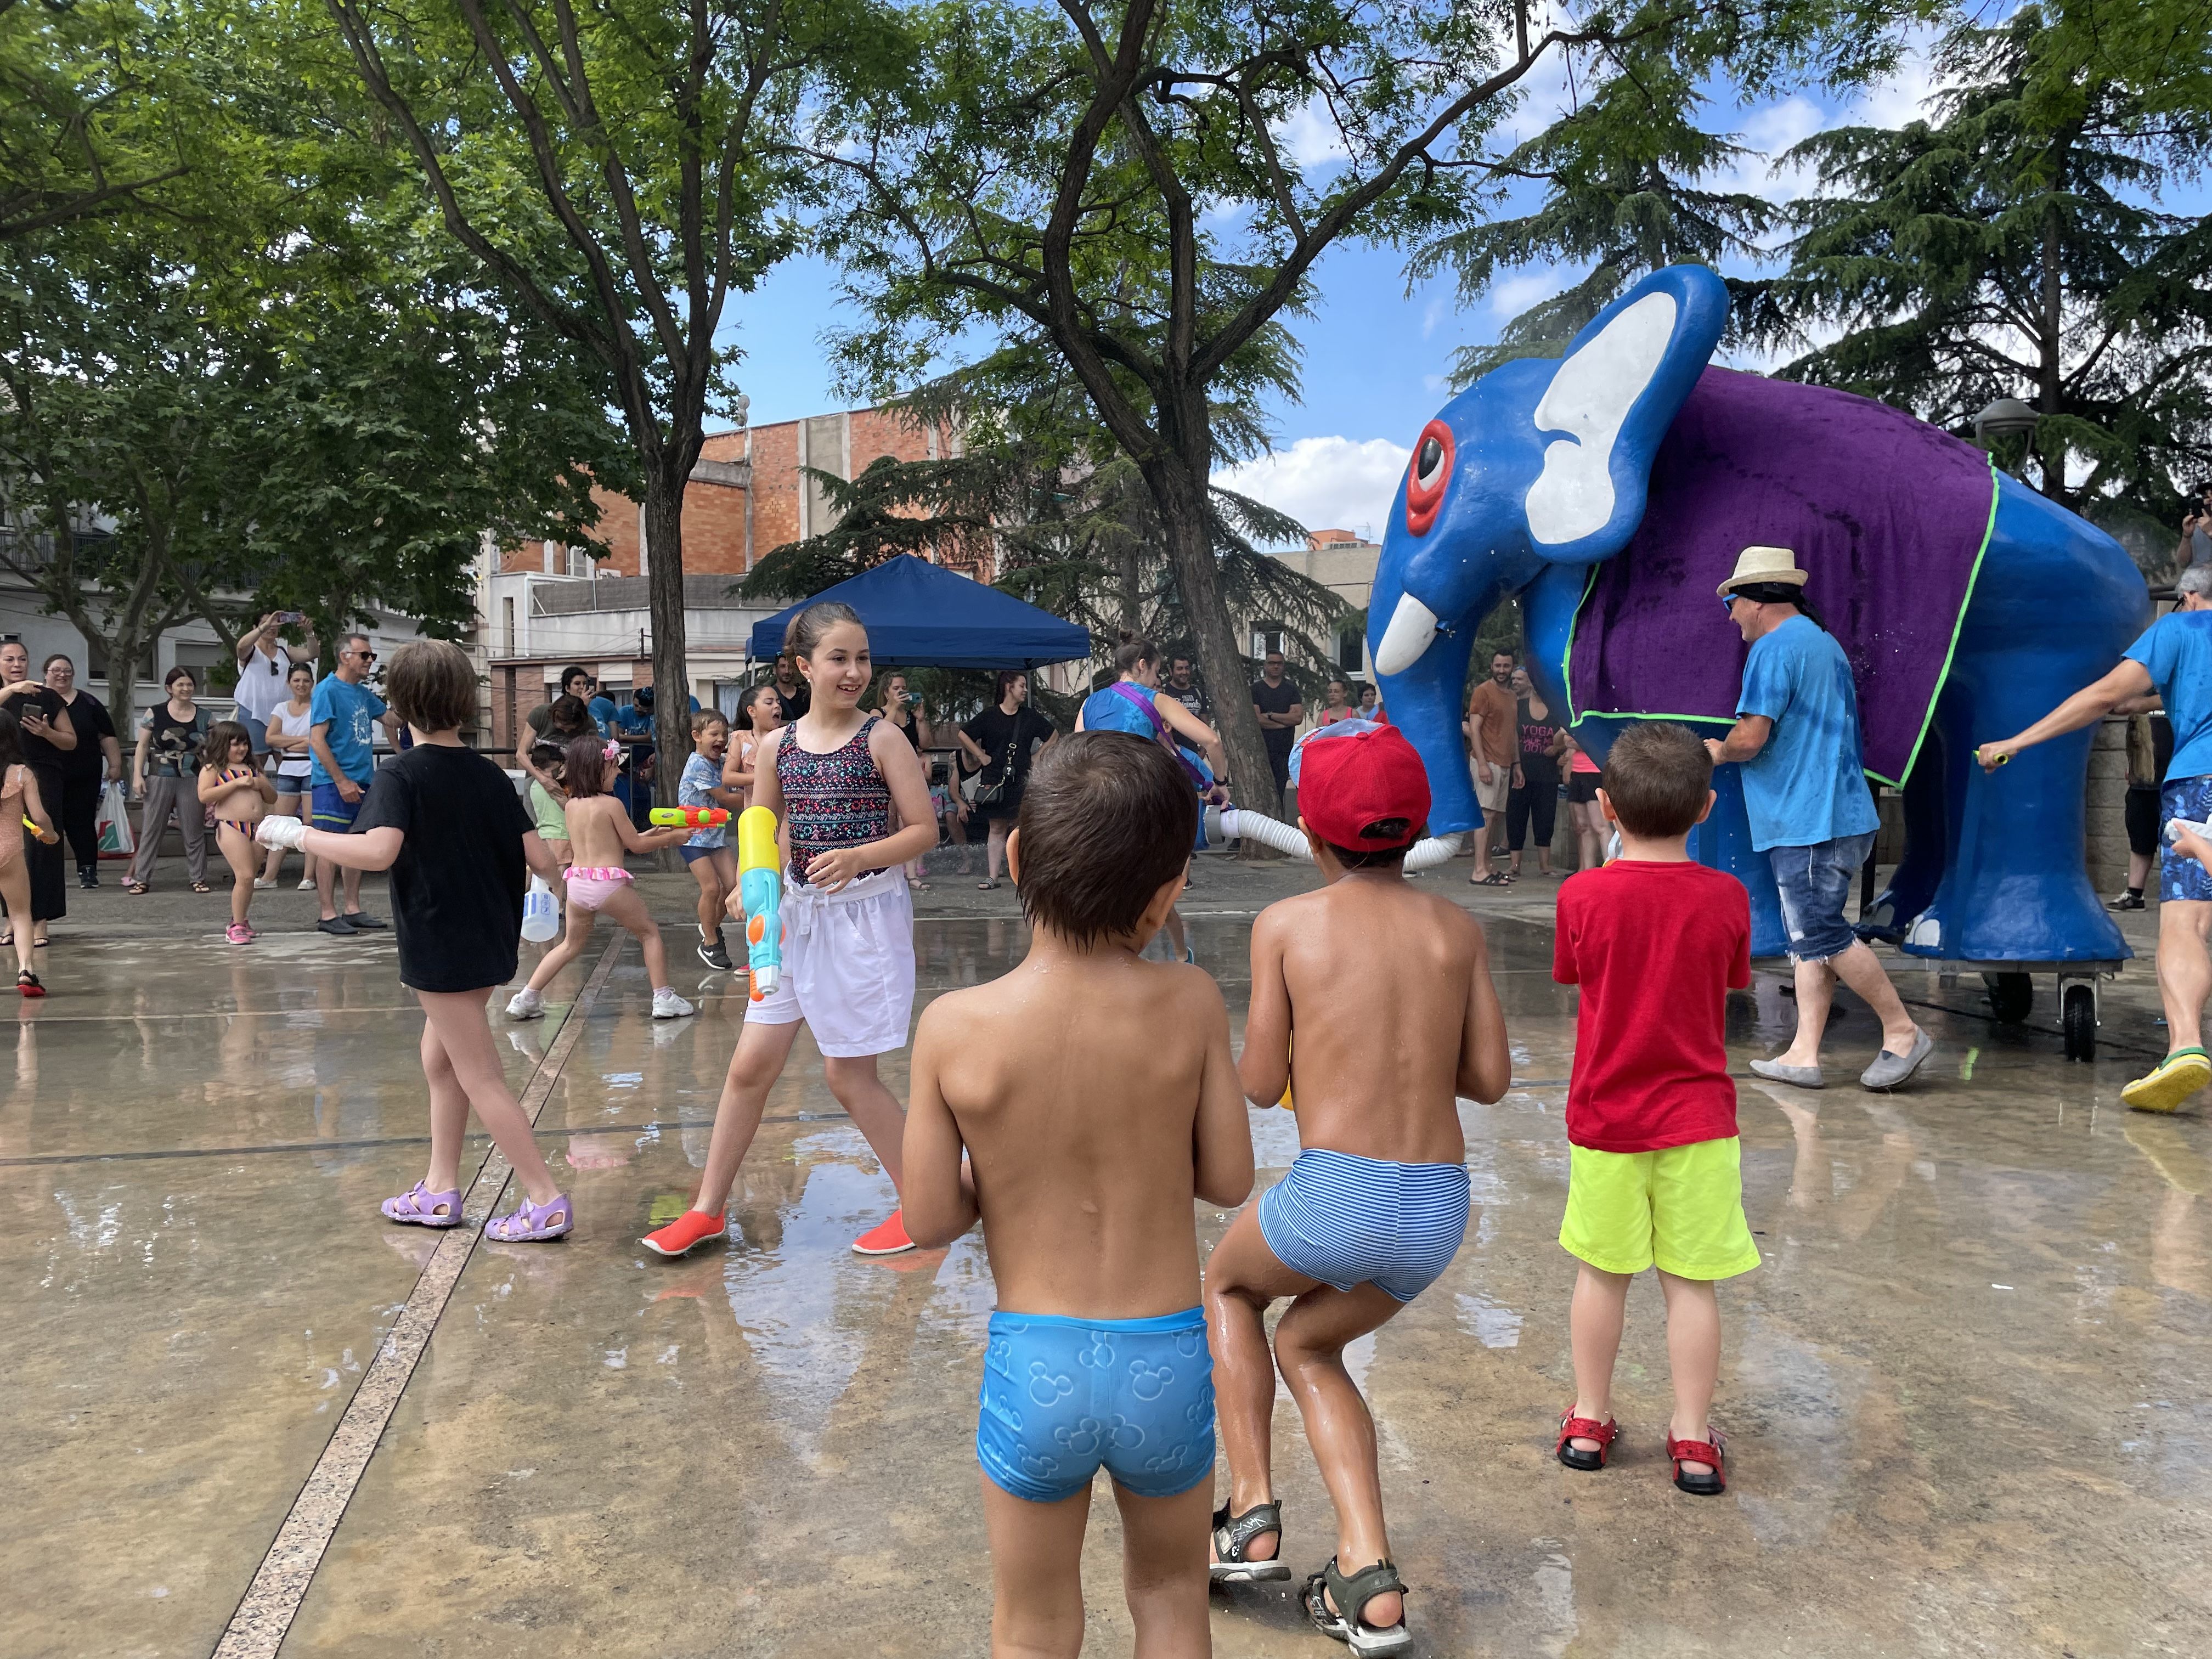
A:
[(507, 623), (1351, 649), (1266, 639)]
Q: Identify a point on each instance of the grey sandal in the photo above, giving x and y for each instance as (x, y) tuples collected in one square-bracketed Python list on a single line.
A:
[(1352, 1597), (1233, 1535)]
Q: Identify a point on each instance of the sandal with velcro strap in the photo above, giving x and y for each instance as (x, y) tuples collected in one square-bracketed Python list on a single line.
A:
[(1712, 1450), (1232, 1537), (1351, 1594), (1573, 1428)]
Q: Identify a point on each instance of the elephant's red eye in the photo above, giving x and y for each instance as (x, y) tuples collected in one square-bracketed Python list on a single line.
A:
[(1427, 477)]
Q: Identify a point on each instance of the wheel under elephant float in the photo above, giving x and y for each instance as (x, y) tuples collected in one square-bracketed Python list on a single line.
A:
[(1611, 489)]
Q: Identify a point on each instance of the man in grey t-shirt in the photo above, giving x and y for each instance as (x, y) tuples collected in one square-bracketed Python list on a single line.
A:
[(2196, 544)]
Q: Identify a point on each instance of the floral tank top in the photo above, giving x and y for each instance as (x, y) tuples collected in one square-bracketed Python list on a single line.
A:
[(832, 800)]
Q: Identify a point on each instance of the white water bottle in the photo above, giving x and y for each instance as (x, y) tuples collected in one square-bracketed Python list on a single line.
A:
[(541, 917)]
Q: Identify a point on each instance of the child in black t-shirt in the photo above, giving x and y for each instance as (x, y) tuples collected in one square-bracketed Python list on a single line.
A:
[(448, 823)]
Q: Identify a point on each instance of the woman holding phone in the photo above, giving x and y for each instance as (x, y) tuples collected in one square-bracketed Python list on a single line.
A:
[(264, 665)]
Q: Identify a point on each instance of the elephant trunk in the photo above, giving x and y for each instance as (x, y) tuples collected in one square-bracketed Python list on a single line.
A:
[(1425, 701)]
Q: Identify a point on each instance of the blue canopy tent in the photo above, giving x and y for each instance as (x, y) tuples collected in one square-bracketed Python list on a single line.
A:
[(922, 617)]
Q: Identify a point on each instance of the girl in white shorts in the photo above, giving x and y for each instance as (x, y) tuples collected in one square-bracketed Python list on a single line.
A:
[(837, 780)]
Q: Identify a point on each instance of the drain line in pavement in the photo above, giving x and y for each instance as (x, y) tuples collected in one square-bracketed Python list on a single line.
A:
[(265, 1612)]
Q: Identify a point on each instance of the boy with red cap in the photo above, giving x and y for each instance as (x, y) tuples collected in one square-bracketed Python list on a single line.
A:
[(1373, 1209)]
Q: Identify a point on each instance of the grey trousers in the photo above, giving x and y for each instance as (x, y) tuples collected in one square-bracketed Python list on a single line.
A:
[(163, 797)]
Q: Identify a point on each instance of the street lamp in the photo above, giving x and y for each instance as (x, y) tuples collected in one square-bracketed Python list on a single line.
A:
[(2007, 418)]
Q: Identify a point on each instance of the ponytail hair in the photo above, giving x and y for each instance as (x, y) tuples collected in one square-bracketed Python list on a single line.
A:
[(1135, 650), (806, 629)]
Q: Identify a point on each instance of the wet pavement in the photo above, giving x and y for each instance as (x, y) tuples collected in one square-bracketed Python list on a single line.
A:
[(1965, 1392)]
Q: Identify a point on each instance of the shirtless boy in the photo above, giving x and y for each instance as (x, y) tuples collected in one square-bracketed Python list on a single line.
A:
[(1095, 1097), (1373, 1208)]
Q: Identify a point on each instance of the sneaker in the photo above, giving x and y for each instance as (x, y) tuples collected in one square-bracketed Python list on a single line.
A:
[(87, 876), (715, 955), (525, 1003), (686, 1233), (239, 933), (363, 922), (337, 925), (264, 882), (307, 884), (2127, 901), (885, 1238), (666, 1004)]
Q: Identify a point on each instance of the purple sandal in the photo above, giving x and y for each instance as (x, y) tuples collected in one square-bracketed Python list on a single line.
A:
[(420, 1207), (528, 1223)]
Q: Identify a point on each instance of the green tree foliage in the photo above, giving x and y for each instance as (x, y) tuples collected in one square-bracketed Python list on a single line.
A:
[(2014, 247), (614, 165), (1147, 187)]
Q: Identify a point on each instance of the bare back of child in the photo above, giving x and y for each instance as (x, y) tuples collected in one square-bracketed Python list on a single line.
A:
[(600, 837), (1094, 1097), (1375, 1205)]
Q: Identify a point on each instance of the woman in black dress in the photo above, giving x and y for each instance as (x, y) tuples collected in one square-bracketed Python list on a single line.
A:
[(1001, 741), (48, 735), (96, 760)]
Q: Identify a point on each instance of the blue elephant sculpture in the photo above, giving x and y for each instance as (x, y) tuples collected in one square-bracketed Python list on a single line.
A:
[(1611, 490)]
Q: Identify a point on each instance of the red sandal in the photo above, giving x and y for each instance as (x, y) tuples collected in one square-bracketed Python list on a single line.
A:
[(1573, 1428), (1712, 1451)]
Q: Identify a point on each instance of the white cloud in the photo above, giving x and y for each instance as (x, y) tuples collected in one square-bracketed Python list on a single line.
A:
[(1512, 295), (1325, 483), (1310, 137), (1768, 133), (1904, 96)]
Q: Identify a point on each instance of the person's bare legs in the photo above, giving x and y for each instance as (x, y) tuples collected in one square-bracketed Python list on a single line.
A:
[(754, 1068), (1309, 1343), (710, 898), (994, 851), (2184, 970), (460, 1027), (625, 908), (874, 1109), (1163, 1574), (1693, 1356), (238, 854), (449, 1112), (1860, 969), (1594, 1318), (15, 891), (1242, 1277), (573, 940), (327, 878), (1036, 1573)]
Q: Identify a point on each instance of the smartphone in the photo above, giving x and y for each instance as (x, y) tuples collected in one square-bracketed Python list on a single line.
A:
[(291, 616)]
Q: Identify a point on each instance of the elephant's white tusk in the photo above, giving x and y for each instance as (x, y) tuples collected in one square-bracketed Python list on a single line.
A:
[(1413, 625)]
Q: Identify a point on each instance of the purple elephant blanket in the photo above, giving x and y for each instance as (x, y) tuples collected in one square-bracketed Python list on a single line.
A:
[(1888, 515)]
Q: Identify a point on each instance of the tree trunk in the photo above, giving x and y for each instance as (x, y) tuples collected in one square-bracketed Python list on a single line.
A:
[(664, 589), (1132, 585), (2050, 452), (1180, 498)]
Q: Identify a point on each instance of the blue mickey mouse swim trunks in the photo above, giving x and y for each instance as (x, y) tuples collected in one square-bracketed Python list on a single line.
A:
[(1062, 1396)]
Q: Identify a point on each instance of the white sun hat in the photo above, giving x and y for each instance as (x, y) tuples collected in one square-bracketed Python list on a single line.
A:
[(1763, 564)]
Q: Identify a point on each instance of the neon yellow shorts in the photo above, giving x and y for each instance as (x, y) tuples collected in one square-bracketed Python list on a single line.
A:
[(1679, 1209)]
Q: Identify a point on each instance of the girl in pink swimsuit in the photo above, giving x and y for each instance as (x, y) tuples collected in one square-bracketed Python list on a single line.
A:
[(240, 795), (19, 801), (599, 835)]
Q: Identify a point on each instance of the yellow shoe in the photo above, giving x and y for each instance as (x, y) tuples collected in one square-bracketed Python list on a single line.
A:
[(2169, 1083)]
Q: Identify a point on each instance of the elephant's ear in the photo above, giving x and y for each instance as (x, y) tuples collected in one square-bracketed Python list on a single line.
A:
[(1615, 393)]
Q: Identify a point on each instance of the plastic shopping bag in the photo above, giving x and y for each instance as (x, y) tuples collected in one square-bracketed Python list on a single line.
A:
[(114, 823)]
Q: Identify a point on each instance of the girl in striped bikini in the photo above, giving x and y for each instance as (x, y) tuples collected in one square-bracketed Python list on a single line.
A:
[(832, 778)]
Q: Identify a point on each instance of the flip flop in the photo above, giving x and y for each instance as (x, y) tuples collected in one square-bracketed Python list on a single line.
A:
[(2169, 1082)]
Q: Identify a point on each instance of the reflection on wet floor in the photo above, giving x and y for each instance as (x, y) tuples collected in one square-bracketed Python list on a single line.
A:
[(1965, 1391)]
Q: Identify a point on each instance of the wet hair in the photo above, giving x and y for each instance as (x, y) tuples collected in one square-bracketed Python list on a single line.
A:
[(179, 672), (54, 657), (1007, 678), (584, 766), (1106, 821), (11, 740), (2197, 579), (1135, 649), (707, 717), (431, 685), (214, 748), (807, 627), (1404, 831), (1658, 775), (1780, 593), (748, 698)]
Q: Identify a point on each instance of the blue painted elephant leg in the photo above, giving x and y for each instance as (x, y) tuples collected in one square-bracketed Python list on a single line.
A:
[(1927, 846), (2013, 889)]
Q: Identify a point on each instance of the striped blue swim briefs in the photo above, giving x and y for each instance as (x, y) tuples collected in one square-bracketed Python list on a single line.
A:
[(1348, 1220)]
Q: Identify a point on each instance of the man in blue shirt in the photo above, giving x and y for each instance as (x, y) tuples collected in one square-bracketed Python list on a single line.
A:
[(341, 745), (1797, 737), (2173, 658)]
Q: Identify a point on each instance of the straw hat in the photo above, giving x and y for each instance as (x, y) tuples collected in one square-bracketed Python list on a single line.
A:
[(1763, 564)]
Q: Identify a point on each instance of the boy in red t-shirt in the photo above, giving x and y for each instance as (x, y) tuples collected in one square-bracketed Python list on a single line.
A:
[(1655, 941)]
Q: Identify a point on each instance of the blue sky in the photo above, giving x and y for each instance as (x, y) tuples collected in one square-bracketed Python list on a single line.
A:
[(1375, 355)]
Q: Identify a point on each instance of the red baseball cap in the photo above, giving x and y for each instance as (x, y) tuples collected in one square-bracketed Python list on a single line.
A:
[(1347, 783)]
